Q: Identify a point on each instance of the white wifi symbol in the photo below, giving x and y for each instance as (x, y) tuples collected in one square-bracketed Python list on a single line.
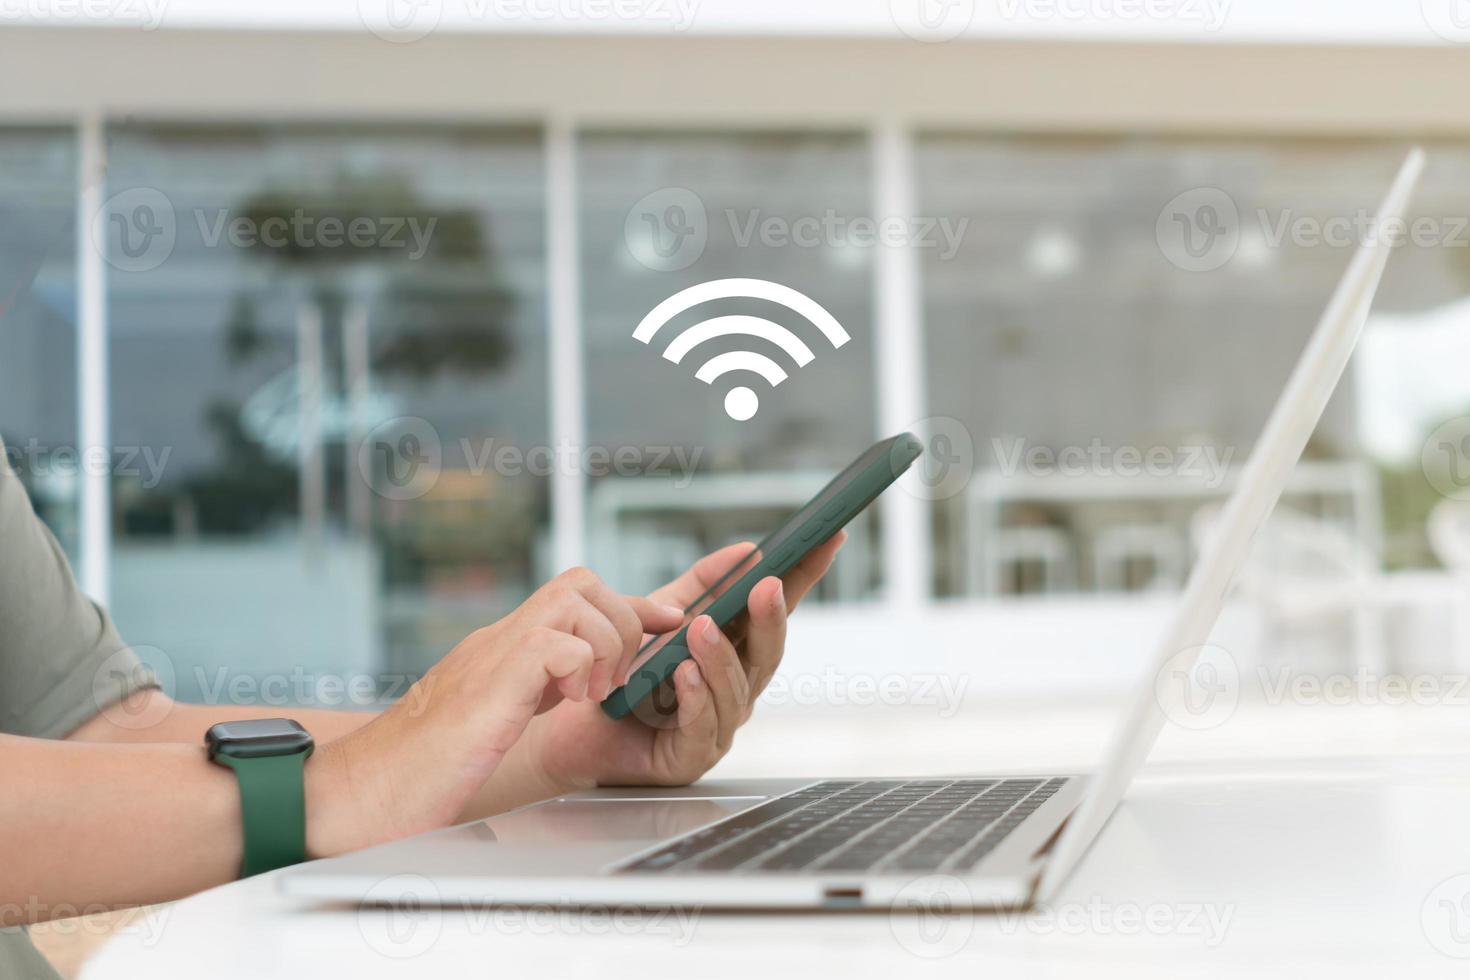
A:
[(741, 402)]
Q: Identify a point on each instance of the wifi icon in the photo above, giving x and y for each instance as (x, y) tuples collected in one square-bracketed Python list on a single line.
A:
[(741, 402)]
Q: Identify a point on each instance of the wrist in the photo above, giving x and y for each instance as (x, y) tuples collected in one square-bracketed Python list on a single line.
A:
[(527, 774), (328, 810), (349, 802), (355, 784)]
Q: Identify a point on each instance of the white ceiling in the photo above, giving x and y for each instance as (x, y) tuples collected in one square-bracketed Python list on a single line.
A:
[(1412, 22)]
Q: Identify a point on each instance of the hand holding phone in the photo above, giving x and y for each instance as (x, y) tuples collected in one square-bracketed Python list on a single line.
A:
[(846, 496)]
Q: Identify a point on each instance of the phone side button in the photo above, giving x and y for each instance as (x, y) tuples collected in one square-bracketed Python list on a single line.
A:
[(783, 559), (814, 528), (833, 510)]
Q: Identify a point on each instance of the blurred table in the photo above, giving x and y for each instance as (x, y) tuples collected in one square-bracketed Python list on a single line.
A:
[(634, 565), (1343, 867), (1350, 485)]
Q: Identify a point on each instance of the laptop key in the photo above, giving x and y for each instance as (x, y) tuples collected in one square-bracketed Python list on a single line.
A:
[(918, 825)]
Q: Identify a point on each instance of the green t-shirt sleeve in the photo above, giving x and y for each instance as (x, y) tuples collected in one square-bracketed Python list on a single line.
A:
[(61, 660), (20, 960)]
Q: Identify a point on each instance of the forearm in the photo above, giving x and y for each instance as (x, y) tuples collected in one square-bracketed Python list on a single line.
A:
[(86, 825), (518, 780), (155, 717)]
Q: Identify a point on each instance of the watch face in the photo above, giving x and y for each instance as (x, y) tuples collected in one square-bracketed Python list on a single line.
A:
[(257, 738)]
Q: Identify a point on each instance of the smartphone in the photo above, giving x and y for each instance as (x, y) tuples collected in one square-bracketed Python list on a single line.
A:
[(824, 515)]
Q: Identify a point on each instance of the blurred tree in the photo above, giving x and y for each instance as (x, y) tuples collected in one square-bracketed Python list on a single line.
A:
[(425, 322)]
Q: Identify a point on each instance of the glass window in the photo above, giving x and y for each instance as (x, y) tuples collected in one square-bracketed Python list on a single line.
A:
[(324, 335), (38, 328), (662, 212), (1126, 309)]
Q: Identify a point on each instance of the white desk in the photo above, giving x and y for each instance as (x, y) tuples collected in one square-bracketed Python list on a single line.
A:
[(1321, 868)]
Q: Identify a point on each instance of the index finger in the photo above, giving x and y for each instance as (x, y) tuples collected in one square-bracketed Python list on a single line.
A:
[(653, 618), (630, 616)]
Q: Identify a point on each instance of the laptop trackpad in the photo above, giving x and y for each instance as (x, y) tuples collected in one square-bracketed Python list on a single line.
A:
[(572, 821)]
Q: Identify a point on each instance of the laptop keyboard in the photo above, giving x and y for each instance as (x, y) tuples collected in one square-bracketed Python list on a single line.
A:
[(876, 826)]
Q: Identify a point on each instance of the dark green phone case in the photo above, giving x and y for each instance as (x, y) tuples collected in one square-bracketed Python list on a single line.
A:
[(823, 516)]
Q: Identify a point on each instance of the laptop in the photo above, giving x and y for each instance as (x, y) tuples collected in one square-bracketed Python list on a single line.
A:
[(1005, 842)]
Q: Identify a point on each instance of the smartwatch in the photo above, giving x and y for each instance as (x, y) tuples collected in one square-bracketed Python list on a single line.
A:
[(268, 756)]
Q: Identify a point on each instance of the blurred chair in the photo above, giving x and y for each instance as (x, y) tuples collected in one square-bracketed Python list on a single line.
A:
[(1449, 536), (1048, 550), (1448, 529), (1120, 549), (1310, 579), (1345, 487)]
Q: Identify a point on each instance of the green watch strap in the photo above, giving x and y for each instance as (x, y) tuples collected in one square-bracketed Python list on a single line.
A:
[(272, 810)]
